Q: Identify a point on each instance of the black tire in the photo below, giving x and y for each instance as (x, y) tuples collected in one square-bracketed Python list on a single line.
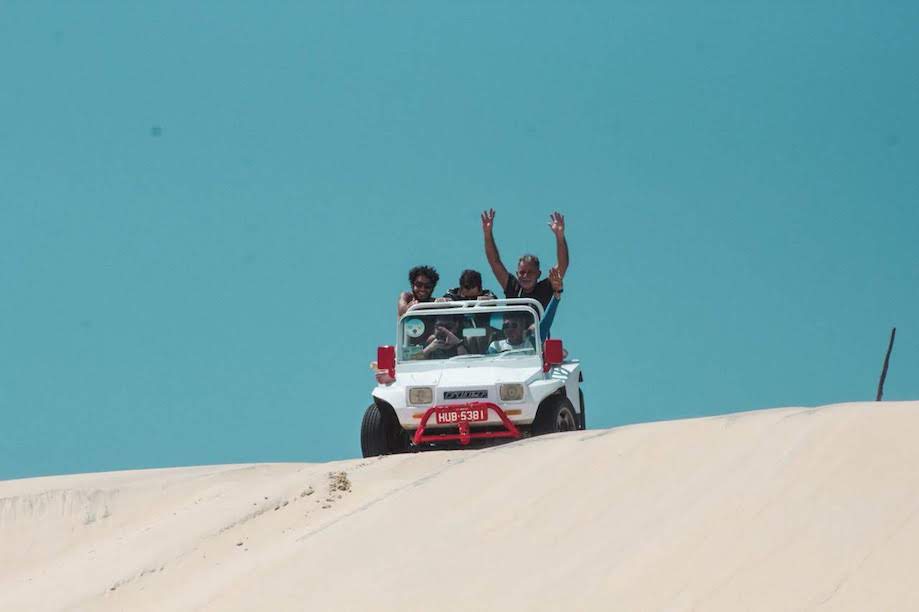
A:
[(583, 411), (381, 433), (555, 414)]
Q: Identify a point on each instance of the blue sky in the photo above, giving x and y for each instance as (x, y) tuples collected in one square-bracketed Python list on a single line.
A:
[(206, 212)]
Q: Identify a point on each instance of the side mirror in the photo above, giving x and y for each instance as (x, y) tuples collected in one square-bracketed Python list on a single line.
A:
[(386, 359), (552, 354)]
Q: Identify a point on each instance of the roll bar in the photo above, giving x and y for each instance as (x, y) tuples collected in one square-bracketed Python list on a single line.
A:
[(477, 305)]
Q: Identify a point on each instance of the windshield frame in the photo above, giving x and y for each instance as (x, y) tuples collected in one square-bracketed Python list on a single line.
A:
[(527, 306)]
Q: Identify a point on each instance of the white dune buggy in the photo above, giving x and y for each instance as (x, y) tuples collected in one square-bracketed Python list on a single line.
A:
[(470, 372)]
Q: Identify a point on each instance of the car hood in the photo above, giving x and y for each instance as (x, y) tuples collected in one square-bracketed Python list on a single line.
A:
[(468, 377)]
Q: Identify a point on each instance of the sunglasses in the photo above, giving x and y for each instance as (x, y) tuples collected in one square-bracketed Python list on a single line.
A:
[(512, 325)]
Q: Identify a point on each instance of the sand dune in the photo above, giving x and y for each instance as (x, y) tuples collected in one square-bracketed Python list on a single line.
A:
[(786, 509)]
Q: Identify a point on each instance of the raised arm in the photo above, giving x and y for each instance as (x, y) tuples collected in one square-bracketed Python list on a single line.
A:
[(557, 225), (491, 249), (558, 286)]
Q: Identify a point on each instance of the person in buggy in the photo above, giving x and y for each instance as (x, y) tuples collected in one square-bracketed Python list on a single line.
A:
[(447, 339), (517, 334), (470, 288), (422, 280)]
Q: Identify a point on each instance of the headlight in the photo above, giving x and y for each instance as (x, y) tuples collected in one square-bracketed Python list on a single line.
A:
[(511, 393), (420, 395)]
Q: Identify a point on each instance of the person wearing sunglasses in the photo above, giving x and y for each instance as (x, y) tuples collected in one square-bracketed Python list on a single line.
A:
[(422, 279), (446, 341), (516, 334), (470, 288)]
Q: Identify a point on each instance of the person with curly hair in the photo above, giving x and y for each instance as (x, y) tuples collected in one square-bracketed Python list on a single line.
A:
[(422, 279)]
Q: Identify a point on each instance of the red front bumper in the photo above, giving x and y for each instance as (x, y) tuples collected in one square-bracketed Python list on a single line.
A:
[(464, 435)]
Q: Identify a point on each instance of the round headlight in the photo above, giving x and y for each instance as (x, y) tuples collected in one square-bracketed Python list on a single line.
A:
[(511, 393), (420, 395)]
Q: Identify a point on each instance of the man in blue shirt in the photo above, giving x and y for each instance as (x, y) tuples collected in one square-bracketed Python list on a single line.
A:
[(555, 280)]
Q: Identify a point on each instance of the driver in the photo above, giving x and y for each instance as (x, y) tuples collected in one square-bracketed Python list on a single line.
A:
[(446, 341), (516, 334)]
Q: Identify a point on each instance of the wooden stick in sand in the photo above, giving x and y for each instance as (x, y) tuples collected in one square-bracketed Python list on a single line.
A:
[(893, 334)]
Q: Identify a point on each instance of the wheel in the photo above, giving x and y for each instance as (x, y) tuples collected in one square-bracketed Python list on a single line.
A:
[(381, 433), (555, 414), (583, 412)]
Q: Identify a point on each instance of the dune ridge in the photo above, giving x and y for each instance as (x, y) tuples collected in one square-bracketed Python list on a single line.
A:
[(791, 508)]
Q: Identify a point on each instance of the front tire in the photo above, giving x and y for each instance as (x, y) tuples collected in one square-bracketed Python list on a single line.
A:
[(555, 414), (381, 433), (583, 411)]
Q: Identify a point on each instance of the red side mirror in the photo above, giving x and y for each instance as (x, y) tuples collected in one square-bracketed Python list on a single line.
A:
[(552, 354), (386, 359)]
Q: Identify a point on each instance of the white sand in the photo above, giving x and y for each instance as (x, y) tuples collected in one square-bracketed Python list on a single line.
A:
[(787, 509)]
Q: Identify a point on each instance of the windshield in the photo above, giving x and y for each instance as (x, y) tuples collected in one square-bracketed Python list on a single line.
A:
[(444, 335)]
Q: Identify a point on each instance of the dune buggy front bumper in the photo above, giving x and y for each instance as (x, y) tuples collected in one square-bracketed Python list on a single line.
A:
[(463, 417)]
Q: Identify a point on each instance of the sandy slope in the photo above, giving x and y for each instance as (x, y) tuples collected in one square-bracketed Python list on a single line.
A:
[(804, 509)]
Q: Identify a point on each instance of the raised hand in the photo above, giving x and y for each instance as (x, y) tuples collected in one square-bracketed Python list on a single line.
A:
[(555, 279), (450, 338), (556, 223), (488, 219)]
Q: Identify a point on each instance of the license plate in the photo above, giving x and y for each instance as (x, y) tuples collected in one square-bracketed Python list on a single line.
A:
[(461, 415)]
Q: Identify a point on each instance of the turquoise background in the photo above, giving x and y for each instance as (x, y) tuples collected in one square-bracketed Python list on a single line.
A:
[(207, 209)]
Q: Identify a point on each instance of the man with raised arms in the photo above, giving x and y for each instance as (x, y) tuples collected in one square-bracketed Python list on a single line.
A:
[(526, 282)]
